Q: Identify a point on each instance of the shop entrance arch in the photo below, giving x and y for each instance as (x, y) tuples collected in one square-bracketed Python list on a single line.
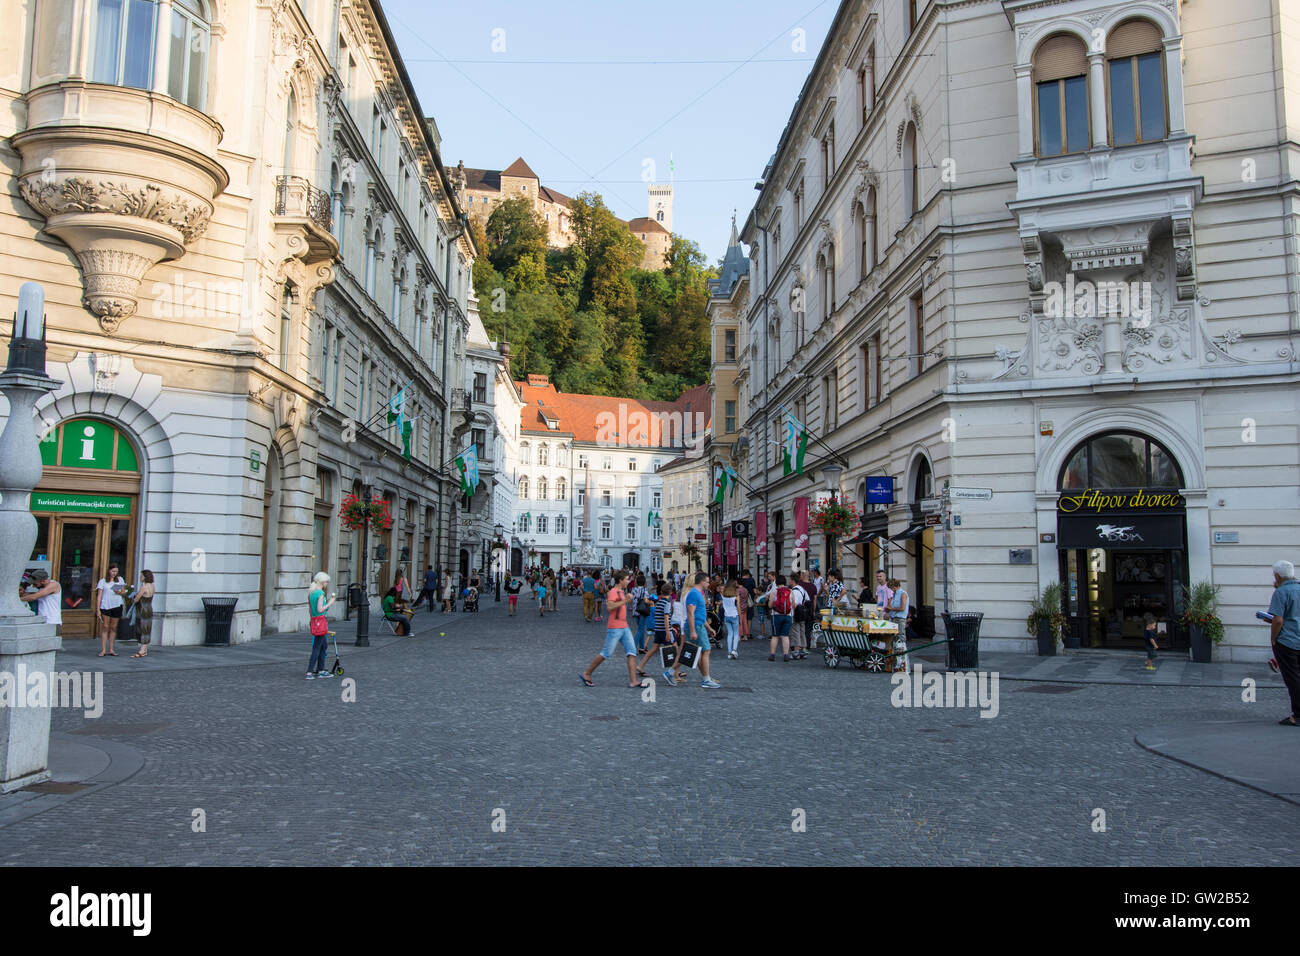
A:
[(87, 509), (1122, 540)]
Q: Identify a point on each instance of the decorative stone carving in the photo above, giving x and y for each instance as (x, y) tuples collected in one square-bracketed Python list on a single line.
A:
[(57, 195), (1067, 343), (1034, 271)]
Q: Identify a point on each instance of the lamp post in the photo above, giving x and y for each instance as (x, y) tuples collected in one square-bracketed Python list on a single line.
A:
[(832, 471), (369, 472), (690, 557), (27, 643)]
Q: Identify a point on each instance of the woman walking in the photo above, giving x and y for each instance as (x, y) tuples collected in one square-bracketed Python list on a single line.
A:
[(448, 594), (143, 602), (317, 605), (745, 608), (899, 606), (731, 618), (108, 609)]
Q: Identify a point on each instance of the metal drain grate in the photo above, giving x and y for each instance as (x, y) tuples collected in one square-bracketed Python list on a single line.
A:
[(51, 787), (120, 730), (1049, 689)]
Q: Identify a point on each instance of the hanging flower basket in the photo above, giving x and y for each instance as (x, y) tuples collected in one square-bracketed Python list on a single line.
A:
[(356, 512), (835, 517), (689, 549)]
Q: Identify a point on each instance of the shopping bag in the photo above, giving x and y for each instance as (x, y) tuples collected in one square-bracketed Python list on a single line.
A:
[(691, 655), (668, 653)]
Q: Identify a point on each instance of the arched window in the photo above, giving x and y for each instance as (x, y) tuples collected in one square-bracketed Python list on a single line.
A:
[(123, 46), (1120, 460), (523, 488), (1060, 76), (1135, 68), (524, 453), (826, 267), (286, 325), (561, 490), (543, 489), (561, 457), (372, 260), (911, 184), (543, 454), (187, 60), (290, 125), (867, 234)]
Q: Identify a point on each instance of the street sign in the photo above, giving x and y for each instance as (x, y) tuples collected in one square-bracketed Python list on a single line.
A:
[(932, 520), (931, 506), (971, 494)]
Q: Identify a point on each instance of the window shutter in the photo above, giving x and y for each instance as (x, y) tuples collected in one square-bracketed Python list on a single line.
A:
[(1059, 57), (1133, 38)]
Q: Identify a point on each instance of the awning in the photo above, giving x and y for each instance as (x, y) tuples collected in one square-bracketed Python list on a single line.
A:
[(913, 531), (864, 537)]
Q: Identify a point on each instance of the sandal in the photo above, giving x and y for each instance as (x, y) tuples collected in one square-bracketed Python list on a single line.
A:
[(1288, 721), (585, 680)]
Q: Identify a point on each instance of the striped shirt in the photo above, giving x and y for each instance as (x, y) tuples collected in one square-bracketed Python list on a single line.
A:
[(663, 608)]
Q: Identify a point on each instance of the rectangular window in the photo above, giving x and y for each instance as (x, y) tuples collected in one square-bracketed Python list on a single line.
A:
[(729, 345), (582, 495), (631, 464), (656, 500), (542, 524), (631, 497), (583, 461), (607, 463), (480, 386), (864, 377), (606, 531), (631, 531), (1063, 116), (730, 407), (480, 443), (339, 342), (606, 497)]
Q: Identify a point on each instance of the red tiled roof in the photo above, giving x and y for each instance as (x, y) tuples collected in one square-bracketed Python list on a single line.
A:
[(519, 169), (645, 224), (586, 417)]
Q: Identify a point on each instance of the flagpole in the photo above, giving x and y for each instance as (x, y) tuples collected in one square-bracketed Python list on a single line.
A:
[(813, 435)]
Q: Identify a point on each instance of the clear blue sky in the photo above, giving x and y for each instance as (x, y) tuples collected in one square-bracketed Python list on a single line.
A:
[(590, 124)]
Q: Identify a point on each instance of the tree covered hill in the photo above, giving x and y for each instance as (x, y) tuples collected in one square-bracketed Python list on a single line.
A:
[(588, 316)]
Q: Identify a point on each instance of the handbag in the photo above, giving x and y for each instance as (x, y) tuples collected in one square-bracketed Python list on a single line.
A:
[(319, 626)]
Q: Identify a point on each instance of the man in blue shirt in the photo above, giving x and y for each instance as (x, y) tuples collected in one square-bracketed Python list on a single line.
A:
[(697, 626), (588, 596), (1285, 608)]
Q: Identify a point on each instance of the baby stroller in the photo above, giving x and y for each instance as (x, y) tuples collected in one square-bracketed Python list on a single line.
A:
[(471, 599)]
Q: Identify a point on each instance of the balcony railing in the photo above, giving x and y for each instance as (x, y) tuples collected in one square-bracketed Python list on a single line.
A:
[(295, 196)]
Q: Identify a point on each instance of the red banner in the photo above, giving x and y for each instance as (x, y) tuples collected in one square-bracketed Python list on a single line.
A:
[(717, 547), (731, 548), (760, 532), (800, 523)]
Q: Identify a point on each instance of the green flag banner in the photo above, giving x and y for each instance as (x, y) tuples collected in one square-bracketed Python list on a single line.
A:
[(397, 415)]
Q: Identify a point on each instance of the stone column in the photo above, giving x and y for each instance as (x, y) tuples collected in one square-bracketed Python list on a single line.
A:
[(27, 643), (1097, 98)]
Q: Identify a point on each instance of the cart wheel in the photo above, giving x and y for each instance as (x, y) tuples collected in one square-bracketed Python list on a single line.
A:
[(832, 655), (875, 662)]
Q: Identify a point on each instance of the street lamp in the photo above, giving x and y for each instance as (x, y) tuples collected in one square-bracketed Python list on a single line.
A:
[(369, 468), (690, 539), (832, 471)]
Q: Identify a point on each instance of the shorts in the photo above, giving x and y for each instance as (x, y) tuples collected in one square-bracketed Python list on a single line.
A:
[(111, 611), (663, 637), (514, 599), (781, 625), (702, 639), (615, 636)]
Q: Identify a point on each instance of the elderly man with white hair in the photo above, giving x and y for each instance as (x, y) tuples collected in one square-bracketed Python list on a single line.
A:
[(1285, 608)]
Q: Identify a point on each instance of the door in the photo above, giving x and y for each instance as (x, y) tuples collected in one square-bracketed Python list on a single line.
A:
[(78, 557)]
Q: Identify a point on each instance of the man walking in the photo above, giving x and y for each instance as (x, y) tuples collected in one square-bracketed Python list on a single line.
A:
[(588, 596), (430, 592), (1285, 608), (616, 633), (697, 626)]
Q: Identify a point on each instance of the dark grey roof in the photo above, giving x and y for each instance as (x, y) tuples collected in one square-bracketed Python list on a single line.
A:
[(735, 265)]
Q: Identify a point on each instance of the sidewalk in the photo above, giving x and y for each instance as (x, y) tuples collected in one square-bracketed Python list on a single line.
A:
[(1256, 754), (81, 654), (1115, 667)]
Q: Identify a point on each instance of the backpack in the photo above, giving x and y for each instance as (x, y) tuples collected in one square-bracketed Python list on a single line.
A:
[(781, 601)]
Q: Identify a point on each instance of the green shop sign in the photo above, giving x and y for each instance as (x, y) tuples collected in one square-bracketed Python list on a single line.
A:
[(81, 504)]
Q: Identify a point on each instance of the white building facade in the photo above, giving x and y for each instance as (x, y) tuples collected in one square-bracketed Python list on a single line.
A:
[(986, 256), (248, 245)]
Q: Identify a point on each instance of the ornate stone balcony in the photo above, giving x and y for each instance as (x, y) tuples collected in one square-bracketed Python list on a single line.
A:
[(303, 216), (125, 177)]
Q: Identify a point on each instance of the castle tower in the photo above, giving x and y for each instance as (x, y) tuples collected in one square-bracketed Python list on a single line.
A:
[(661, 205)]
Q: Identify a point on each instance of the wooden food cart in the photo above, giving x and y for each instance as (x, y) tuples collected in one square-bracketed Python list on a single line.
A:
[(869, 641)]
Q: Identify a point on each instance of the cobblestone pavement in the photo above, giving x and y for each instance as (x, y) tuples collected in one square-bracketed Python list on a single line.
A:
[(490, 723)]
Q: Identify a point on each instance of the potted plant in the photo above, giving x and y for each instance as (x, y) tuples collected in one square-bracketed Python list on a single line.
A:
[(356, 512), (835, 518), (1201, 618), (1046, 621)]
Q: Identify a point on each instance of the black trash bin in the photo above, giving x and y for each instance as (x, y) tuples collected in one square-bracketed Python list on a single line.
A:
[(218, 612), (356, 595), (963, 629)]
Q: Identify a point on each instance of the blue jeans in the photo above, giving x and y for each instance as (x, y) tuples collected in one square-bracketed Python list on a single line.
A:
[(733, 634), (781, 624), (640, 630), (318, 646)]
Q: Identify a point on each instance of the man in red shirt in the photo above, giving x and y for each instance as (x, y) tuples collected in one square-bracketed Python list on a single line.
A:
[(616, 633)]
